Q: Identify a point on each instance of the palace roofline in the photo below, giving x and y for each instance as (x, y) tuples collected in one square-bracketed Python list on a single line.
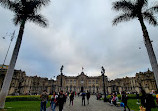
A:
[(82, 73)]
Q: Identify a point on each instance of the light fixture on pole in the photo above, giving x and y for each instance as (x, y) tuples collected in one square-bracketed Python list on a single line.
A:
[(61, 74), (103, 72), (12, 37)]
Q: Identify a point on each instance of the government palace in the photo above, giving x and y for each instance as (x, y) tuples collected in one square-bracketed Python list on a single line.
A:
[(33, 85)]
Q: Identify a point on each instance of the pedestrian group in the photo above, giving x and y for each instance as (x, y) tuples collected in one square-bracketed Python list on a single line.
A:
[(58, 99)]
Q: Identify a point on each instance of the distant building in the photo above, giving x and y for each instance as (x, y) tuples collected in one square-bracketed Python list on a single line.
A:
[(23, 84), (146, 80), (81, 83)]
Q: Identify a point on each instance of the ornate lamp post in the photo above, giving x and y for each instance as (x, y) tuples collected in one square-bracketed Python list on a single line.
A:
[(103, 72), (12, 37), (61, 81)]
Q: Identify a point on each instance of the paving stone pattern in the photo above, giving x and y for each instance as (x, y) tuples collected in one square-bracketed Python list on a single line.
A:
[(94, 105)]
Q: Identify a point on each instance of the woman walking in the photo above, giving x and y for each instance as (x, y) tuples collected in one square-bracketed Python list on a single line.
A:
[(53, 102), (88, 96), (71, 98)]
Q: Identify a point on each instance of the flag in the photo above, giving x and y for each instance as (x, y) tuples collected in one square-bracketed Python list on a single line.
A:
[(82, 69)]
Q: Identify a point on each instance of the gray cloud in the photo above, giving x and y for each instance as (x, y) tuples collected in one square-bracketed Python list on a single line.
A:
[(80, 34)]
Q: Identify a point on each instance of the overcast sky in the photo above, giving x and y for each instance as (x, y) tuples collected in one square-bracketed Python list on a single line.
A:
[(80, 34)]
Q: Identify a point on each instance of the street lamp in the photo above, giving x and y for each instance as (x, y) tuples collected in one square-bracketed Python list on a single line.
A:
[(12, 37), (61, 69), (103, 72)]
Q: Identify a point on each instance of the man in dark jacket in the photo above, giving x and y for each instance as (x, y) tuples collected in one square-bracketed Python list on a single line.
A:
[(150, 103), (61, 100), (83, 98), (124, 100)]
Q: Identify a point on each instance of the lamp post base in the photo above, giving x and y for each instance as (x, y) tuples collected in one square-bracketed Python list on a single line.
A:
[(105, 99)]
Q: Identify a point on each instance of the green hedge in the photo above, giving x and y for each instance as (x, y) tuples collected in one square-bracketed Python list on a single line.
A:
[(130, 96), (24, 98)]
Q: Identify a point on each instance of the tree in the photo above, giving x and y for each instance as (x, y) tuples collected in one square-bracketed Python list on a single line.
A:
[(24, 10), (139, 9)]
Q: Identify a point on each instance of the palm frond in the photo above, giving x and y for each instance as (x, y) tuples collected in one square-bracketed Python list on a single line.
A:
[(141, 3), (38, 19), (4, 3), (154, 8), (123, 17), (7, 4), (124, 5), (16, 19), (36, 5), (150, 18), (40, 2), (26, 10)]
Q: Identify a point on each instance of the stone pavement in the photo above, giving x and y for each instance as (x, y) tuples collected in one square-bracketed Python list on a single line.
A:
[(94, 105)]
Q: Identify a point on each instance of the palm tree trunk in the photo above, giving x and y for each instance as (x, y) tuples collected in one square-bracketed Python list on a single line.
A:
[(10, 71), (151, 54)]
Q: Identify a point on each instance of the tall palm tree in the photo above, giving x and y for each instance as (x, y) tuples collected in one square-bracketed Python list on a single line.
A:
[(24, 10), (139, 9)]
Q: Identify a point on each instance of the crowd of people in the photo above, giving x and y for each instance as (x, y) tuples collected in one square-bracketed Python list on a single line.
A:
[(145, 100), (58, 99), (114, 100)]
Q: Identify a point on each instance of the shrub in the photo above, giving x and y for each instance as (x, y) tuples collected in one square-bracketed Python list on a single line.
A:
[(24, 98)]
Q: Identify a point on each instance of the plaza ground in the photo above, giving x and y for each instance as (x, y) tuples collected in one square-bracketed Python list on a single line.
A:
[(94, 105)]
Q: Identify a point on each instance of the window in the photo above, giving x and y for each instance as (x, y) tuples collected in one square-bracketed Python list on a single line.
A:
[(82, 81)]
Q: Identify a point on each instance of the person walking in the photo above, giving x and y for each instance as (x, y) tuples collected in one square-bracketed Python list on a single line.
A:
[(114, 99), (137, 96), (143, 98), (147, 100), (110, 99), (88, 96), (61, 100), (71, 98), (124, 100), (157, 98), (44, 98), (83, 98), (53, 102), (75, 93), (150, 103)]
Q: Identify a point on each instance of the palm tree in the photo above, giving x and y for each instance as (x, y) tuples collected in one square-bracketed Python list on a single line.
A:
[(24, 10), (139, 9)]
